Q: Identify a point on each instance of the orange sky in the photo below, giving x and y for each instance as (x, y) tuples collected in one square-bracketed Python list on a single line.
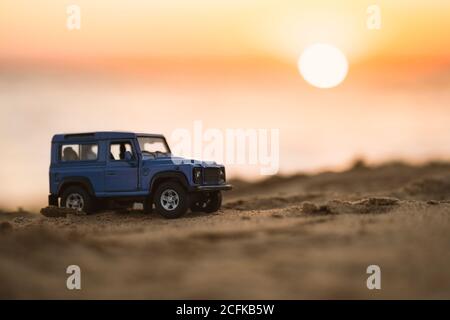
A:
[(219, 30), (231, 64)]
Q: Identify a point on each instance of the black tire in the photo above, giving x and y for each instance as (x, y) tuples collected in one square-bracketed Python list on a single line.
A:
[(209, 202), (197, 206), (80, 193), (214, 202), (174, 208)]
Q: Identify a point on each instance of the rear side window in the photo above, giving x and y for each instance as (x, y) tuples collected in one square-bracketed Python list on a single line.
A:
[(118, 149), (79, 152)]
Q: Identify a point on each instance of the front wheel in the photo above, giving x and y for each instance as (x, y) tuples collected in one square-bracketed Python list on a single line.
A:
[(171, 200)]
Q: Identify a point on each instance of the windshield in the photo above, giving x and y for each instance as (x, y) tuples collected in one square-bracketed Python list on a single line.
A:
[(153, 146)]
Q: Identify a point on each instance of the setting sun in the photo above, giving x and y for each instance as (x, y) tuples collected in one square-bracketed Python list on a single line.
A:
[(323, 65)]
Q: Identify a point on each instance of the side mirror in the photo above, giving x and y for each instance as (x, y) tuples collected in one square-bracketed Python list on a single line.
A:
[(128, 156)]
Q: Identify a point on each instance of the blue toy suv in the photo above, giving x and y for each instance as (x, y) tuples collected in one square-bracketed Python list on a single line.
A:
[(89, 168)]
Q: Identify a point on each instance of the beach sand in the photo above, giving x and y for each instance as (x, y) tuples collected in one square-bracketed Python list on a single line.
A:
[(295, 237)]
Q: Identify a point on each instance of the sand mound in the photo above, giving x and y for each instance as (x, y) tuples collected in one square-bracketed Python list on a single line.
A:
[(429, 189), (269, 202), (369, 205), (55, 212), (8, 215)]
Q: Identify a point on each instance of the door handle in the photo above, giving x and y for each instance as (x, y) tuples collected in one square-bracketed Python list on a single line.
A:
[(110, 173)]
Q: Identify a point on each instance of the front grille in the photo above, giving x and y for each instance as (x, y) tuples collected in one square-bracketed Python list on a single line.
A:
[(211, 175)]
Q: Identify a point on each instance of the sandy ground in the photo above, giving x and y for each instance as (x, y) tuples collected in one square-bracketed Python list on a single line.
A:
[(284, 238)]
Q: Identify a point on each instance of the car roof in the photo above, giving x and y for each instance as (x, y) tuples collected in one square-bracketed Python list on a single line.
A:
[(100, 135)]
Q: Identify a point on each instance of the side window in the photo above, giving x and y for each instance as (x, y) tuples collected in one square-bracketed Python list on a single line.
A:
[(88, 151), (117, 150), (77, 152)]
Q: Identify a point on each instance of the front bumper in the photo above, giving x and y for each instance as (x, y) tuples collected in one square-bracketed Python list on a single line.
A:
[(219, 187)]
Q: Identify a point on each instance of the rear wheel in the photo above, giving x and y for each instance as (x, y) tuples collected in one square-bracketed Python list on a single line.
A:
[(78, 199), (171, 200)]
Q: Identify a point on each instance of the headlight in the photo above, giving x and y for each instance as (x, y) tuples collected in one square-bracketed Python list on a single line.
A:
[(222, 175), (197, 175)]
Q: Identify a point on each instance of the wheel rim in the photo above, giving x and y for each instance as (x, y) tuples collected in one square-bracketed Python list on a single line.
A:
[(169, 199), (75, 201)]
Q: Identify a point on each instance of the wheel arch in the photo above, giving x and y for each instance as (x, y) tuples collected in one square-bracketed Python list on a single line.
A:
[(83, 182), (164, 176)]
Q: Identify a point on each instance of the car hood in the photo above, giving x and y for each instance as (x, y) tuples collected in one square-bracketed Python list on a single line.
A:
[(172, 160)]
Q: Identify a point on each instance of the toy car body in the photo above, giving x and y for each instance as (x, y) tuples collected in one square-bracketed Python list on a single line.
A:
[(88, 168)]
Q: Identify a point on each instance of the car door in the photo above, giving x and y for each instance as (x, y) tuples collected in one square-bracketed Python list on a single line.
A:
[(121, 172)]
